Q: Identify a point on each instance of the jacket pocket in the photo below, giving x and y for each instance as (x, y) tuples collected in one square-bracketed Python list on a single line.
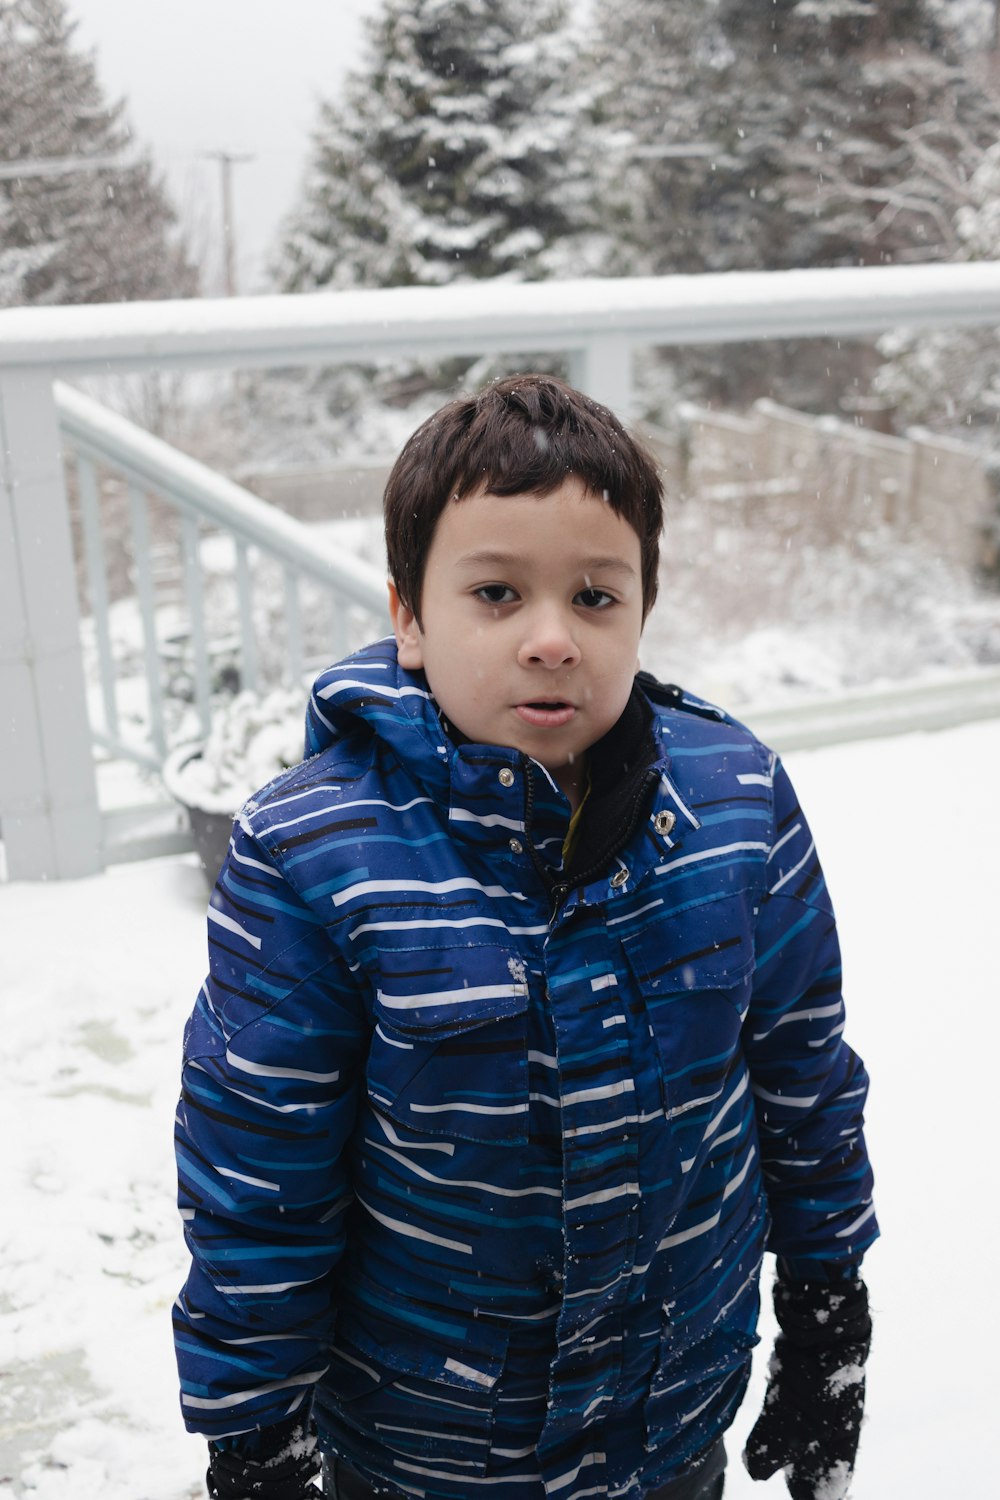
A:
[(694, 971), (705, 1351), (449, 1051), (707, 946), (415, 1395)]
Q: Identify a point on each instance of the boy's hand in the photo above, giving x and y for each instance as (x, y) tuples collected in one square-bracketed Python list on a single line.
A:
[(816, 1392), (278, 1463)]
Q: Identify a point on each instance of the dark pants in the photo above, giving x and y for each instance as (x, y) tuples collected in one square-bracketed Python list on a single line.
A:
[(703, 1483)]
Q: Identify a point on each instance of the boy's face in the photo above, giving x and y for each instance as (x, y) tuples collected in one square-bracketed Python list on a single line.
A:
[(531, 615)]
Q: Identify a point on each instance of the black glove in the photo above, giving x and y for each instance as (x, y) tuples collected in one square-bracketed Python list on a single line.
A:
[(816, 1392), (278, 1463)]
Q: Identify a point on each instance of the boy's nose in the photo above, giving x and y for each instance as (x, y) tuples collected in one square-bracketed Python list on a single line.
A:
[(549, 642)]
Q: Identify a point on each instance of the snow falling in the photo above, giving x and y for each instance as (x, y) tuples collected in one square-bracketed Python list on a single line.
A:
[(523, 145)]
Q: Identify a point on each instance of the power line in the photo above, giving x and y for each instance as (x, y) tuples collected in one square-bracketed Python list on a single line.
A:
[(57, 166)]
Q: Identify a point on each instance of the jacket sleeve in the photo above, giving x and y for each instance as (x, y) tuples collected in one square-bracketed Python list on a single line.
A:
[(809, 1087), (273, 1054)]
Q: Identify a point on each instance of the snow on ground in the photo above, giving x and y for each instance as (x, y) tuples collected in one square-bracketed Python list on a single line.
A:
[(100, 975)]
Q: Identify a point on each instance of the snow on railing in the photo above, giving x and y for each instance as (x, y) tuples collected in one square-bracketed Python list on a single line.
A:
[(95, 440), (597, 320)]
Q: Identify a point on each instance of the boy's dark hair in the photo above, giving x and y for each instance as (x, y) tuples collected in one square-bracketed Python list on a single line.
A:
[(522, 435)]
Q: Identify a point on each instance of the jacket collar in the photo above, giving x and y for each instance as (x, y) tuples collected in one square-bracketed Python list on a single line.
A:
[(490, 791), (622, 779)]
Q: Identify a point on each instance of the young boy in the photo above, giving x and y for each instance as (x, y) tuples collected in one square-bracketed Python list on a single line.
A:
[(522, 1039)]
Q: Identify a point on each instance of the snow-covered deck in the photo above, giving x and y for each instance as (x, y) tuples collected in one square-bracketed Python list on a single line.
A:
[(100, 974)]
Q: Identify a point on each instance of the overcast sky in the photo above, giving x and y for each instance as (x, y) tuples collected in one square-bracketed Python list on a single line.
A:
[(202, 76)]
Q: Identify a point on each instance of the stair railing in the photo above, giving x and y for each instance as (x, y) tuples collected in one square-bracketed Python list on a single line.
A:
[(97, 440)]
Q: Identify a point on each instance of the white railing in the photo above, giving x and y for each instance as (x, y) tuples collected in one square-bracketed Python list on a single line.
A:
[(97, 440), (868, 713), (51, 819)]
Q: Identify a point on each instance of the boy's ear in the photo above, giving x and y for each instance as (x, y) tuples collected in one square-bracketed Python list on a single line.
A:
[(409, 641)]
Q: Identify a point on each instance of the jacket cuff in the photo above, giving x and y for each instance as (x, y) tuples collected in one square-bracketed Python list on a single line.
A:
[(801, 1269), (265, 1443)]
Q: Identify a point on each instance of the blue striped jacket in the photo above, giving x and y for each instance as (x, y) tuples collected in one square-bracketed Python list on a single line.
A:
[(487, 1181)]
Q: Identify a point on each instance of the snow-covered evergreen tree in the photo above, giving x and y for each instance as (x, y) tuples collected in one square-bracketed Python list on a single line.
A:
[(452, 154), (70, 232), (765, 134), (773, 133), (949, 379), (894, 130), (651, 167), (973, 23)]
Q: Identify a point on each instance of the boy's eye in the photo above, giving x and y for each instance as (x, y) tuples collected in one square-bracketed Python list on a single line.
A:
[(594, 599), (495, 593)]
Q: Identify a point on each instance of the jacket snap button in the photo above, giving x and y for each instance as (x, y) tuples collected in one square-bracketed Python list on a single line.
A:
[(664, 822), (618, 879), (506, 777), (516, 847)]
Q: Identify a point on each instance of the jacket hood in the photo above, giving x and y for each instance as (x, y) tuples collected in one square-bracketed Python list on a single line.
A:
[(370, 694)]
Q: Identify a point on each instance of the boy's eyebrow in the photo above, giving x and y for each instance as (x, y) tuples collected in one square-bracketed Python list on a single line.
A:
[(492, 558)]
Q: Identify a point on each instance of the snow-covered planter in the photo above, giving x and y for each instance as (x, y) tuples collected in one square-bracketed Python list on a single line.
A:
[(253, 738)]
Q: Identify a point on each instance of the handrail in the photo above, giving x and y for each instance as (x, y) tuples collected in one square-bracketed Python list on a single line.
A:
[(720, 307), (884, 709), (112, 439)]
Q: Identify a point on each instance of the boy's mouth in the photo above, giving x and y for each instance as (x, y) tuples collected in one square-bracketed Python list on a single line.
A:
[(545, 714)]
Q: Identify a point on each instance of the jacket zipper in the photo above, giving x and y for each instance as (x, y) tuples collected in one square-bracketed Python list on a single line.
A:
[(560, 889)]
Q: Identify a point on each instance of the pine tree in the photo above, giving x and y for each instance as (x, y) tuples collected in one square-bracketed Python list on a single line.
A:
[(767, 134), (973, 23), (772, 133), (86, 233), (452, 154), (893, 130)]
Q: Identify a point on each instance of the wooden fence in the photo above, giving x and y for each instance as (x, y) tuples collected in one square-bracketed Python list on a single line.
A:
[(822, 479)]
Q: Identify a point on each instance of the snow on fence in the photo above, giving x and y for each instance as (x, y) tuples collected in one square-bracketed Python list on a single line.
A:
[(923, 487), (51, 816)]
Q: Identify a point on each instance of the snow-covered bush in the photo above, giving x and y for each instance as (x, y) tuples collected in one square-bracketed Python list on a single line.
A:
[(252, 740)]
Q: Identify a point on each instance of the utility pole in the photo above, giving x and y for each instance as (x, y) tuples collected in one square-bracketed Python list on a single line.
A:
[(227, 160)]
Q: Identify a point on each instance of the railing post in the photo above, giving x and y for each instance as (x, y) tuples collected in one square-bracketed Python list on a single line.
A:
[(51, 823), (603, 368)]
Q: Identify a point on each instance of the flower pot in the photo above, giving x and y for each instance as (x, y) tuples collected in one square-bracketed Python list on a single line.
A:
[(252, 739), (211, 824)]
